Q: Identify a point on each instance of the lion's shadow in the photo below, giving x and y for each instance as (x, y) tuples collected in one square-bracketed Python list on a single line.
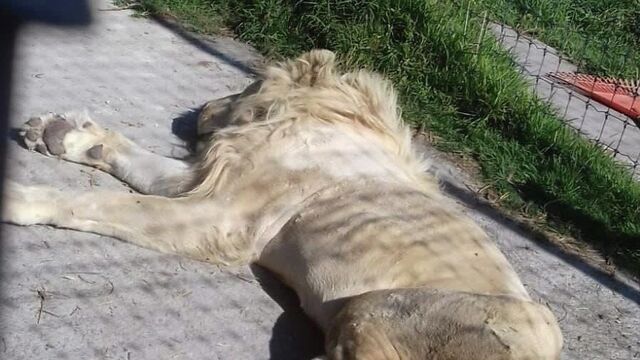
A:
[(294, 335)]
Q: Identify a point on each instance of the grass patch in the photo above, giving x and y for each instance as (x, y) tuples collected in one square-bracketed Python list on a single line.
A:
[(200, 16), (474, 101), (601, 36)]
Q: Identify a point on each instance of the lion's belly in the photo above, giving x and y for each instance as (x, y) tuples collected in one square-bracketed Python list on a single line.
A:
[(372, 240)]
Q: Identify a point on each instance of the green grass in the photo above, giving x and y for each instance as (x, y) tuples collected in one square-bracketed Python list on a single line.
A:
[(601, 36), (476, 104)]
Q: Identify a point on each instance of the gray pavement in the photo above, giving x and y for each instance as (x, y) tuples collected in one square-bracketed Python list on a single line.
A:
[(72, 295)]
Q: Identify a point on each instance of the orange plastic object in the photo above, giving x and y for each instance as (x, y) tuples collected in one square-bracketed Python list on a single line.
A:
[(620, 95)]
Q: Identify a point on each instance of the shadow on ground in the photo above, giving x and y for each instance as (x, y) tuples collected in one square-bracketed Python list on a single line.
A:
[(185, 127), (226, 55), (294, 335), (471, 201)]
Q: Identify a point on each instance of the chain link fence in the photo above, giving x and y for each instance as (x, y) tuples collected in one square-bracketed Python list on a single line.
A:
[(559, 81)]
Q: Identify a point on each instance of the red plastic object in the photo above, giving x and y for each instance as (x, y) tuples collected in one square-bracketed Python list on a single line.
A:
[(620, 95)]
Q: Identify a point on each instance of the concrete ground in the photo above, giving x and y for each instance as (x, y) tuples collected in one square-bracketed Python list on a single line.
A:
[(72, 295)]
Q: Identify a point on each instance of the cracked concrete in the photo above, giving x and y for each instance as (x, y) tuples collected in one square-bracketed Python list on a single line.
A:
[(73, 295)]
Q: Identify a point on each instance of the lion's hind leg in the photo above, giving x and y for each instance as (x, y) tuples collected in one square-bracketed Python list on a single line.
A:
[(436, 324)]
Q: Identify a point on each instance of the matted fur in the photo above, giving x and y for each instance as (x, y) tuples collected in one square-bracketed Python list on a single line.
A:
[(309, 89), (311, 174)]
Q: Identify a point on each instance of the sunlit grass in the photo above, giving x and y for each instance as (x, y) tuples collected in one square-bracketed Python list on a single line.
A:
[(601, 36)]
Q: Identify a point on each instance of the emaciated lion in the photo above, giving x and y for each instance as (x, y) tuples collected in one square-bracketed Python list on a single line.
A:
[(311, 174)]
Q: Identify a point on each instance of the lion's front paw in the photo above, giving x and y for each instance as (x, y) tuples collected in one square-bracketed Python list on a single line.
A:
[(73, 137)]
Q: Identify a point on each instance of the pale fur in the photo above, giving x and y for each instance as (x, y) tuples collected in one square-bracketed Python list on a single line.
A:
[(308, 89), (311, 174)]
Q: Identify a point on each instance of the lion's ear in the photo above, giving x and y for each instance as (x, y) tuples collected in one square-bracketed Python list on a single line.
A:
[(313, 68)]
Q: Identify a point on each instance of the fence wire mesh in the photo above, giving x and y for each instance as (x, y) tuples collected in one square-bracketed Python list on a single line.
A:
[(614, 130), (70, 295)]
